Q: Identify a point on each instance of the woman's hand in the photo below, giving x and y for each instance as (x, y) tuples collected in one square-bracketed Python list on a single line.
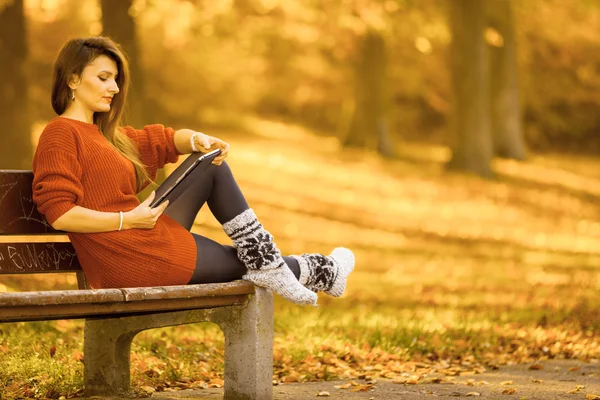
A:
[(206, 143), (144, 217)]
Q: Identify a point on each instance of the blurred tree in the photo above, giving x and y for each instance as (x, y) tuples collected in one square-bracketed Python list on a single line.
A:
[(119, 24), (506, 125), (471, 140), (369, 125), (16, 149), (371, 96)]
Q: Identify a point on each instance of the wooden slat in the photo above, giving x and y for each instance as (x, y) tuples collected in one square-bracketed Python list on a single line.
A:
[(60, 297), (53, 238), (35, 258), (18, 213), (187, 291), (74, 311), (61, 304), (127, 295)]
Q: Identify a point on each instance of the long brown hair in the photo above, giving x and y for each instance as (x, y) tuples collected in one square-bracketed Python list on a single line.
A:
[(75, 55)]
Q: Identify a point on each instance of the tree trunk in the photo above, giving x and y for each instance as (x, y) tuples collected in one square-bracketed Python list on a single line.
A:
[(505, 111), (15, 149), (470, 124), (369, 126), (118, 24)]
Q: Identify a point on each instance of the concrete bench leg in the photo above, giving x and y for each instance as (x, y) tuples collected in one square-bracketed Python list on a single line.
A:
[(249, 349), (107, 345), (248, 334)]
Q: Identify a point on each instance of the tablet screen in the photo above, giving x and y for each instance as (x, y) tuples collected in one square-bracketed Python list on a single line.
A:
[(167, 191)]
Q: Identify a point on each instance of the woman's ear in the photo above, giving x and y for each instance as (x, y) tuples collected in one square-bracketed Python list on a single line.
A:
[(74, 81)]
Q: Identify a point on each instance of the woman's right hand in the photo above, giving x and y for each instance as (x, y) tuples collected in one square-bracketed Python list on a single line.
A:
[(144, 217)]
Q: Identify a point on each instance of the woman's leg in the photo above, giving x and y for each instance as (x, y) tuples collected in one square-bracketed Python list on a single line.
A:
[(254, 245), (218, 263), (217, 187)]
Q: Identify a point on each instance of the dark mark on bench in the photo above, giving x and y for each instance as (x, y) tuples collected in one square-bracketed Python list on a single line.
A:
[(16, 195), (40, 257)]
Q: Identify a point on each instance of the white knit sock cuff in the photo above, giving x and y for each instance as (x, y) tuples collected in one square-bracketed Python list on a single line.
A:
[(304, 269), (241, 224)]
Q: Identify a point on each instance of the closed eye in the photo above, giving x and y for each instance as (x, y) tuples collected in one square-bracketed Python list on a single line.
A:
[(102, 79)]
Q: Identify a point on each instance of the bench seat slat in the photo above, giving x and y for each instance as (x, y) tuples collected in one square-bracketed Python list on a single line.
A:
[(186, 291), (103, 296), (87, 310), (55, 297)]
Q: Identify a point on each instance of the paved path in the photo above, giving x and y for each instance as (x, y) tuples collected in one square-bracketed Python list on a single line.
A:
[(554, 381)]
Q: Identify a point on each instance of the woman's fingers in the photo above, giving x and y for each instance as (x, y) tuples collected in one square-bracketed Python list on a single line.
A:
[(157, 211), (149, 198), (224, 146), (205, 141)]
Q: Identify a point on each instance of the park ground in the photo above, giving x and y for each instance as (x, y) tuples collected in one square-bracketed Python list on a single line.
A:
[(457, 278), (564, 379)]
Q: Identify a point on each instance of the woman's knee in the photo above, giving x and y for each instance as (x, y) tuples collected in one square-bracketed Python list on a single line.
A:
[(222, 170)]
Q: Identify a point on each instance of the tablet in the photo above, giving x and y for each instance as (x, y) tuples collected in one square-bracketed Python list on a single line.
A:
[(166, 191)]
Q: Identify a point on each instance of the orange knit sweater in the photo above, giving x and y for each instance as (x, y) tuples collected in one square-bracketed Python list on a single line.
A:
[(73, 165)]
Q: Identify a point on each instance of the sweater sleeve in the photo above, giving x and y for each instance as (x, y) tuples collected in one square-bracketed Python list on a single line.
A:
[(57, 174), (156, 145)]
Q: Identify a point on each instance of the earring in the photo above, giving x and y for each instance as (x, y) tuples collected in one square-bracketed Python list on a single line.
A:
[(73, 95)]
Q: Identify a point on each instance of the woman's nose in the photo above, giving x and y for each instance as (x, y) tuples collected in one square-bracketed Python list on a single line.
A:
[(114, 88)]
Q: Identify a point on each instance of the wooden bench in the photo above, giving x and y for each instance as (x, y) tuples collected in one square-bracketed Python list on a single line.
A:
[(28, 244)]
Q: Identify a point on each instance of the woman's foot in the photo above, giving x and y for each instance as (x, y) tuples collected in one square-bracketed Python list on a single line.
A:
[(266, 267), (326, 273), (283, 282)]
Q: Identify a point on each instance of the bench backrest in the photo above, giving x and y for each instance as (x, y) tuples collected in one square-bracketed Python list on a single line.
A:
[(28, 244)]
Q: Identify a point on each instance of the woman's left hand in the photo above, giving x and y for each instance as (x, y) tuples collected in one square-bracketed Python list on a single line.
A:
[(206, 143)]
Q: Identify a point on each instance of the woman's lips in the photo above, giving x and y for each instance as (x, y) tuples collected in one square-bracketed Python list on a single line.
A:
[(108, 99)]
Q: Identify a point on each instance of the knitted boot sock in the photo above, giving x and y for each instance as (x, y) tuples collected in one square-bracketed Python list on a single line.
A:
[(266, 267), (326, 273)]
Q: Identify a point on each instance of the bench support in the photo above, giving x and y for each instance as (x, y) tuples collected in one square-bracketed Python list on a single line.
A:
[(248, 332)]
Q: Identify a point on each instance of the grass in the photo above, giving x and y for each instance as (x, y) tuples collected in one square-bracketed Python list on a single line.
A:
[(453, 272)]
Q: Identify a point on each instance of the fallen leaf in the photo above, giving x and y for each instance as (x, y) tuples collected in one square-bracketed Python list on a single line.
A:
[(592, 397), (344, 386), (77, 355), (536, 366), (509, 391), (323, 394), (573, 369), (473, 394), (290, 379), (148, 389), (506, 383), (537, 380), (578, 389), (362, 388)]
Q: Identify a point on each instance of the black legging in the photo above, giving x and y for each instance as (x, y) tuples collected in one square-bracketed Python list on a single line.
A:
[(216, 186)]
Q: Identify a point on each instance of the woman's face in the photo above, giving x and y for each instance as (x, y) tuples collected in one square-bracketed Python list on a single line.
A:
[(97, 85)]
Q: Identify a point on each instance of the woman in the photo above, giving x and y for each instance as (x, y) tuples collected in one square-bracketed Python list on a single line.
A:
[(88, 169)]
